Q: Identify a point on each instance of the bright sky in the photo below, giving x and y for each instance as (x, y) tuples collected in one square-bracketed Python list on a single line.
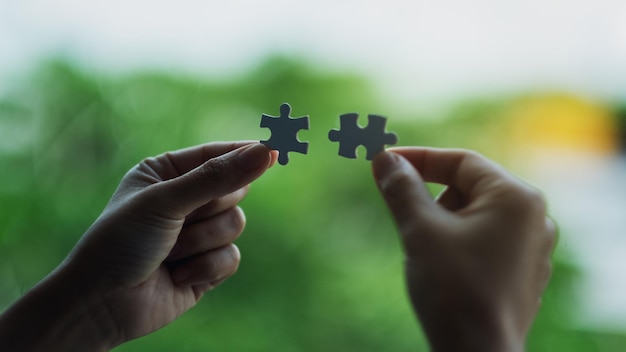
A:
[(416, 49)]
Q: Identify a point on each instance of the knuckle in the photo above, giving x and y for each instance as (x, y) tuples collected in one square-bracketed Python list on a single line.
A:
[(223, 261), (552, 229), (536, 203), (535, 198), (234, 253), (149, 165), (472, 155), (237, 219), (234, 258), (226, 255), (214, 168), (524, 198), (551, 239), (396, 184)]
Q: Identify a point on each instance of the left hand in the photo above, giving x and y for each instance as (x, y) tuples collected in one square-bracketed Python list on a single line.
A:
[(165, 238)]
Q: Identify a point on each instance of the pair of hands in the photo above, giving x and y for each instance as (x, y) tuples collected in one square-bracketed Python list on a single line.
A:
[(477, 257)]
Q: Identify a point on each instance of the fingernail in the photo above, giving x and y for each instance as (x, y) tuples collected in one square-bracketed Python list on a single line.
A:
[(254, 157), (181, 275), (384, 163)]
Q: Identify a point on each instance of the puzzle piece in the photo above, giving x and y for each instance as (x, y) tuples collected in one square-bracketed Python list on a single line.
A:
[(285, 133), (351, 135)]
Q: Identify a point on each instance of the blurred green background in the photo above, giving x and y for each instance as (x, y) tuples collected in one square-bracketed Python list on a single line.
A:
[(90, 88), (321, 266)]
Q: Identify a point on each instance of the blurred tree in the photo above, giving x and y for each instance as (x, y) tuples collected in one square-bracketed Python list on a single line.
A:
[(321, 267)]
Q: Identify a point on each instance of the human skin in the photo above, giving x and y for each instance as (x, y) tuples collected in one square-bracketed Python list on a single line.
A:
[(478, 256), (164, 239)]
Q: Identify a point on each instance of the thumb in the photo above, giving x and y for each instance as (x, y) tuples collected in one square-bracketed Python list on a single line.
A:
[(407, 197), (215, 178)]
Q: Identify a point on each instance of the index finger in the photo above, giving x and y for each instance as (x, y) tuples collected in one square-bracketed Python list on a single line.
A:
[(466, 171), (187, 159)]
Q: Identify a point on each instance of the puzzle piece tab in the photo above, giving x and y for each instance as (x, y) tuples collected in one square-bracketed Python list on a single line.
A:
[(351, 135), (284, 136)]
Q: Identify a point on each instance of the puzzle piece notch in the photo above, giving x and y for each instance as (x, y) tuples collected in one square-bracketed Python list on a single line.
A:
[(284, 136), (373, 137)]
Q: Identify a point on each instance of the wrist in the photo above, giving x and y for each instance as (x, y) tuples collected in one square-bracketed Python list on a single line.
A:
[(58, 314), (453, 323), (471, 340), (457, 331)]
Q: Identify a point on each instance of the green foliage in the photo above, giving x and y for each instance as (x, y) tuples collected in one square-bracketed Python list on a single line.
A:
[(321, 266)]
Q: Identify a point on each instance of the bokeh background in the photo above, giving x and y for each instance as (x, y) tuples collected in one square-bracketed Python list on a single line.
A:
[(89, 88)]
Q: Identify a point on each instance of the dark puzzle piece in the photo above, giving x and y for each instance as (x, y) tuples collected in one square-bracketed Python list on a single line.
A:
[(284, 136), (351, 135)]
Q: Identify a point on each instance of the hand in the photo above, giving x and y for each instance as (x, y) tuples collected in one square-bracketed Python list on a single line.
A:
[(164, 239), (477, 257), (166, 236)]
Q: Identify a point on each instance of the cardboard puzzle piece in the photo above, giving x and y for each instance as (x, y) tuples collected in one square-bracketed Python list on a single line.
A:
[(351, 135), (284, 136)]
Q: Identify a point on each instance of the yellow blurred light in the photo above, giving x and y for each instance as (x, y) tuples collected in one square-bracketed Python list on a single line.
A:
[(565, 122)]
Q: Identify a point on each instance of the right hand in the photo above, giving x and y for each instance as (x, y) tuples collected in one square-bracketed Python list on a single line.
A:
[(477, 257)]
